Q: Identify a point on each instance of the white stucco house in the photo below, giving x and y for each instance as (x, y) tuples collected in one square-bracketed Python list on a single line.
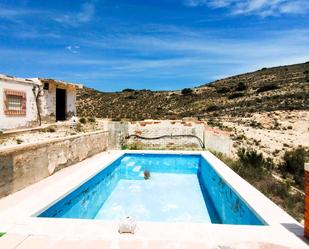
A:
[(23, 102)]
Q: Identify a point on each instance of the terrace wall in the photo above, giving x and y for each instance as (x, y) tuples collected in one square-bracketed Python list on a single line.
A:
[(214, 139), (23, 165)]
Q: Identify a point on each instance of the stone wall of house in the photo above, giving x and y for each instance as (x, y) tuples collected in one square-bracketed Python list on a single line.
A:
[(71, 102), (15, 121), (48, 101), (26, 164)]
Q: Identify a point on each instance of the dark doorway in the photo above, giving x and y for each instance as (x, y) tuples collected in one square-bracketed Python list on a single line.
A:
[(60, 104)]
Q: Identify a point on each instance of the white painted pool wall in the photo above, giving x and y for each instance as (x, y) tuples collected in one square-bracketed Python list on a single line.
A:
[(14, 121)]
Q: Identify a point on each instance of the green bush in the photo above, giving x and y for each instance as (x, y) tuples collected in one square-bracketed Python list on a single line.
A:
[(256, 124), (241, 87), (212, 108), (236, 95), (268, 87), (293, 163), (83, 120), (91, 119), (133, 146), (270, 187), (117, 119), (223, 90), (131, 97), (128, 90), (186, 91), (281, 194), (252, 165), (78, 127), (50, 129), (250, 157), (213, 122), (19, 141)]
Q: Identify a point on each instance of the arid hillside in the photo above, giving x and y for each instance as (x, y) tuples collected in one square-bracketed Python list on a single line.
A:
[(268, 89)]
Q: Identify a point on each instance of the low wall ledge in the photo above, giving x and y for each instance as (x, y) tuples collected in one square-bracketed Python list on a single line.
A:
[(21, 147)]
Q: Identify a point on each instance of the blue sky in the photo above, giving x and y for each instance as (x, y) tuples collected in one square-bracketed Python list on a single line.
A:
[(150, 44)]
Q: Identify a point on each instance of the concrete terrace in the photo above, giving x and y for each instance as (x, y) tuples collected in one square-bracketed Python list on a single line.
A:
[(24, 230)]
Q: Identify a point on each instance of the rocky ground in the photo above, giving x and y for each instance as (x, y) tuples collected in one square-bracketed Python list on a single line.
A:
[(271, 133)]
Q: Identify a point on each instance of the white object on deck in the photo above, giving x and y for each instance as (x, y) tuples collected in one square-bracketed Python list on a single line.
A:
[(127, 225), (73, 121)]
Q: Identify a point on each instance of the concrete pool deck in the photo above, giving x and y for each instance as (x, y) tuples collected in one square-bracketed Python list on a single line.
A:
[(24, 230)]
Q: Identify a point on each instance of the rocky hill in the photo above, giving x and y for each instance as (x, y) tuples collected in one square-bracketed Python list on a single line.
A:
[(268, 89)]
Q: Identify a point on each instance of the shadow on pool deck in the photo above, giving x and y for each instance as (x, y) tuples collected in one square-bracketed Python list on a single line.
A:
[(297, 230)]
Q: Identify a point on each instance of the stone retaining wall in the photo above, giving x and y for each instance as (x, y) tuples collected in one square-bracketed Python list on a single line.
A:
[(218, 140), (157, 128), (214, 139), (23, 165)]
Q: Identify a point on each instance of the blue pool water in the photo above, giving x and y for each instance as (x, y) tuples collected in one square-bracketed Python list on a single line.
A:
[(182, 188), (158, 199)]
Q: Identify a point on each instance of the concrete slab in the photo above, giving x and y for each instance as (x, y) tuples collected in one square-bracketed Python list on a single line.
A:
[(11, 240)]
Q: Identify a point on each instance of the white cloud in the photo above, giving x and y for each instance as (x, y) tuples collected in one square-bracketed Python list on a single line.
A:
[(73, 49), (85, 14), (267, 44), (15, 13), (255, 7), (195, 3), (74, 19), (204, 56)]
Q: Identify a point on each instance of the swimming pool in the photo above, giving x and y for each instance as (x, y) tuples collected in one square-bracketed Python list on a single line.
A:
[(182, 188)]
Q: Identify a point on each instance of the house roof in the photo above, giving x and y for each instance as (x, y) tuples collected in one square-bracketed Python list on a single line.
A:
[(31, 81), (38, 81), (60, 82)]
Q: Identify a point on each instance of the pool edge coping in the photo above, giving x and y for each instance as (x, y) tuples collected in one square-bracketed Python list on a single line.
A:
[(223, 170)]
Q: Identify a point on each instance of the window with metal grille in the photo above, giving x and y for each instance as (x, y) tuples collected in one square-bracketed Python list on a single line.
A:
[(14, 102)]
